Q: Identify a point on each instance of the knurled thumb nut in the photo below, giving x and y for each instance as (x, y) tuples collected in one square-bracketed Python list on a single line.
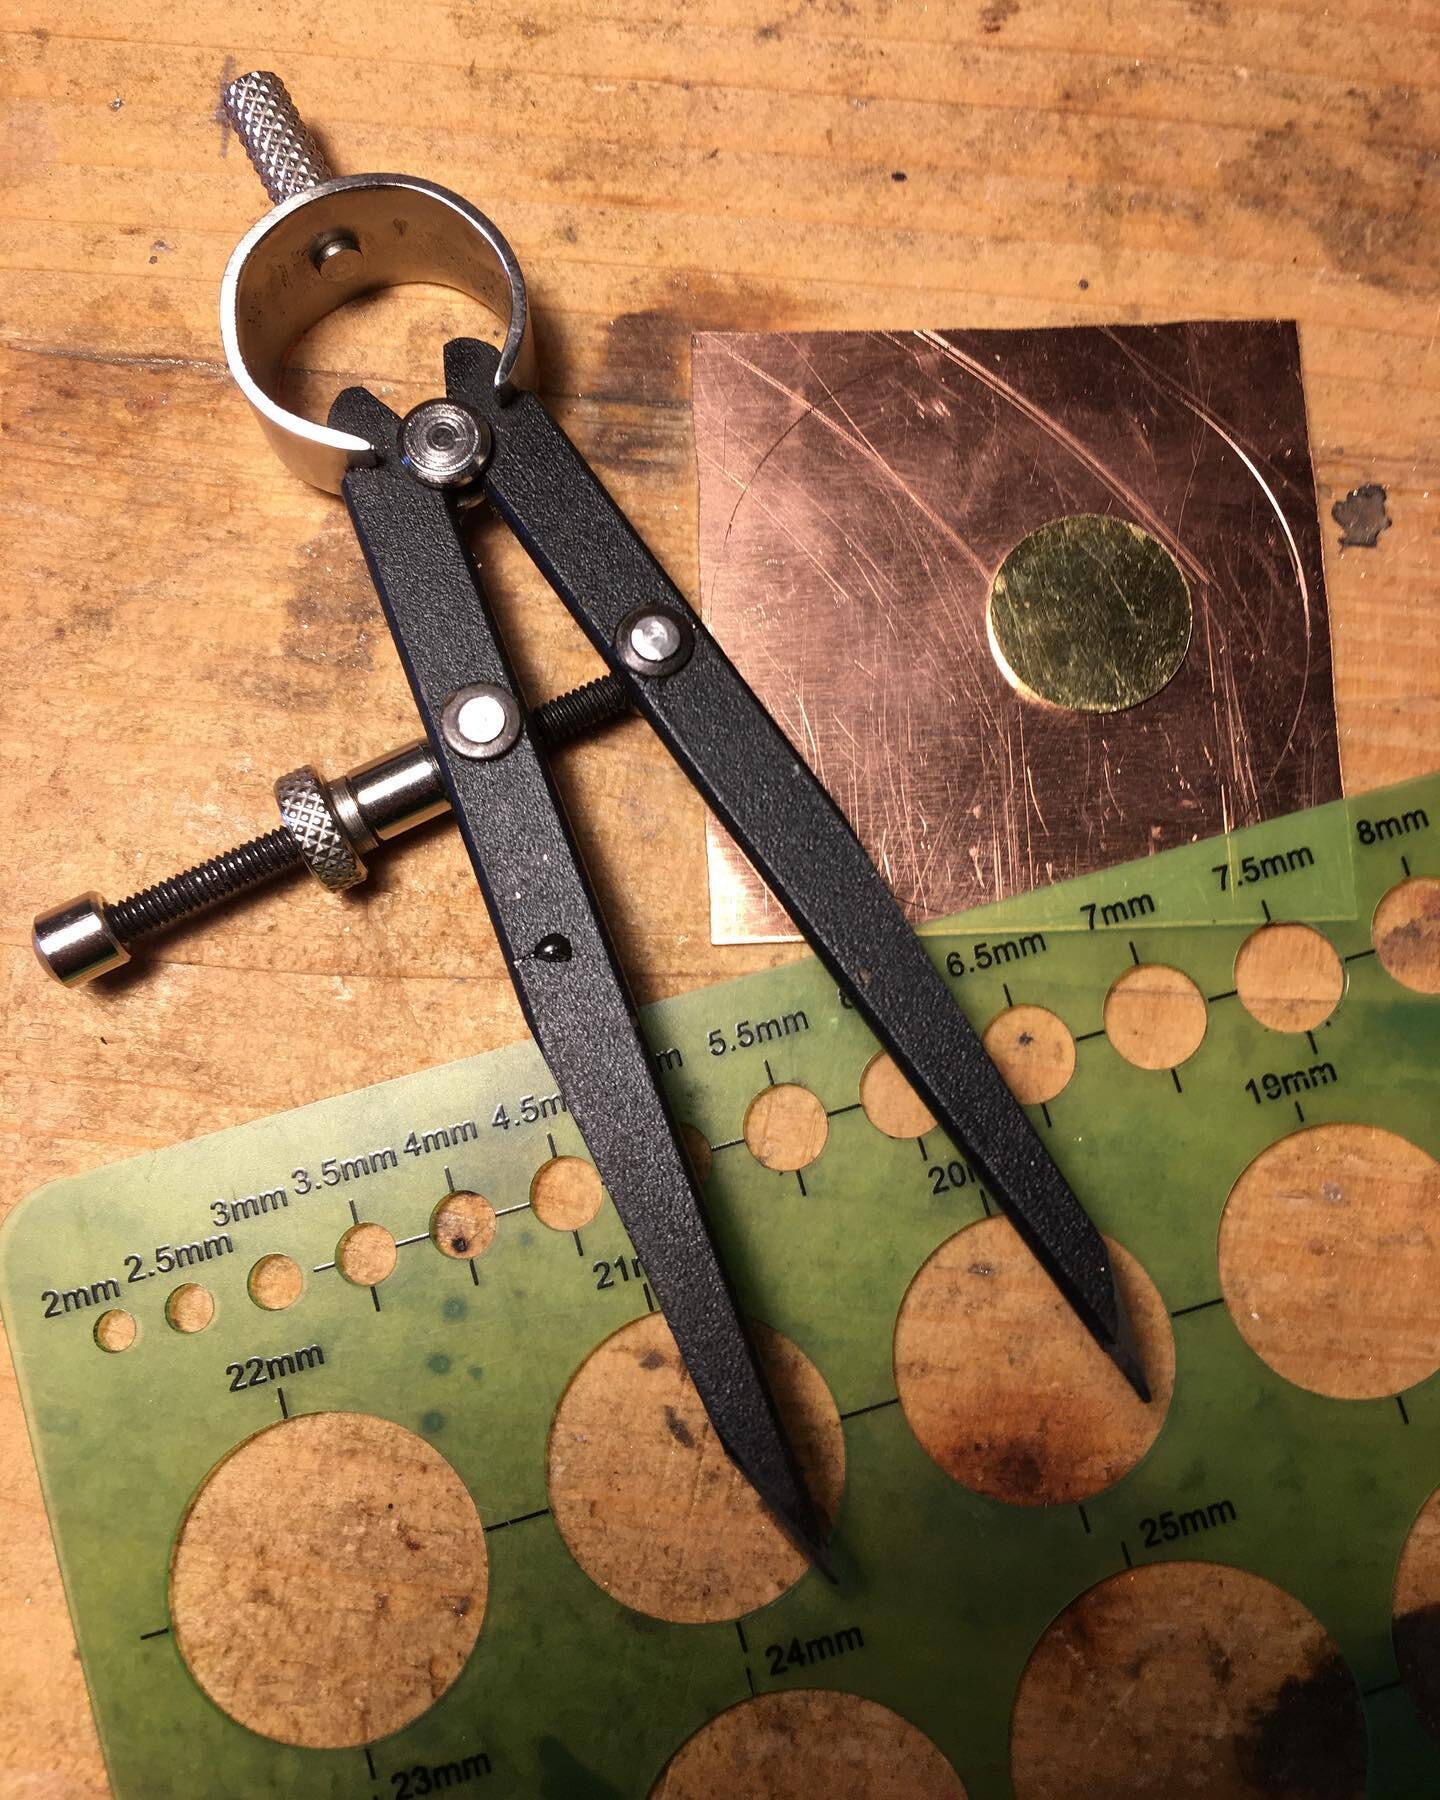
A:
[(308, 814)]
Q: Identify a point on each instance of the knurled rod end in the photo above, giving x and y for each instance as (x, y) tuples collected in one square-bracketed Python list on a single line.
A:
[(277, 140)]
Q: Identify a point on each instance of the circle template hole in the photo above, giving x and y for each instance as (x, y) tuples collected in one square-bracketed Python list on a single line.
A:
[(1089, 613), (809, 1742), (1330, 1261), (786, 1126), (565, 1193), (1155, 1016), (1289, 977), (1417, 1615), (364, 1564), (366, 1255), (463, 1225), (115, 1330), (697, 1148), (891, 1104), (1406, 934), (650, 1505), (1208, 1680), (190, 1308), (984, 1341), (1033, 1050), (275, 1282)]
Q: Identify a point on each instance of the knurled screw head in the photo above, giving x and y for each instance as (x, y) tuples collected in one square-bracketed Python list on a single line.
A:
[(444, 444), (308, 814)]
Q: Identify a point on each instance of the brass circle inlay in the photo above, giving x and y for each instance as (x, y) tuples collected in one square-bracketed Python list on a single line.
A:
[(1089, 613), (647, 1500), (329, 1580)]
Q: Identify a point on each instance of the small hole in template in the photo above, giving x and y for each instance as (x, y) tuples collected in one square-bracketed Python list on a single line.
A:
[(1289, 977), (189, 1308), (786, 1127), (697, 1148), (463, 1225), (1406, 934), (1155, 1016), (565, 1193), (890, 1103), (366, 1255), (1033, 1050), (115, 1330), (275, 1282)]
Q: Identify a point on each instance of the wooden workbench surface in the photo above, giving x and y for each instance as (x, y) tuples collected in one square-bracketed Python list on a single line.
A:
[(184, 621)]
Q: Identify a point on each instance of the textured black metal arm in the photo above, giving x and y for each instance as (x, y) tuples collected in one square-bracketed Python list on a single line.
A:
[(792, 831), (560, 957)]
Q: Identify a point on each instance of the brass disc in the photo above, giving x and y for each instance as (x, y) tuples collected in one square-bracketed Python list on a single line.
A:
[(1090, 614)]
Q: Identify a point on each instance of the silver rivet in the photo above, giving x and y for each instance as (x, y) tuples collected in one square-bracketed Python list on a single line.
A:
[(444, 444), (481, 721), (654, 638), (335, 256)]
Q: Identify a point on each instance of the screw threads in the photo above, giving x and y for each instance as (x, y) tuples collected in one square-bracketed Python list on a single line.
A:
[(583, 709), (247, 866), (277, 140)]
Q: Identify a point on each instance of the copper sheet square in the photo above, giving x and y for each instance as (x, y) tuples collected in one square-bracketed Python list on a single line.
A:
[(858, 491)]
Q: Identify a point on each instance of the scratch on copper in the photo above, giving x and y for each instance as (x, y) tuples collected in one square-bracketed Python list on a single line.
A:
[(856, 443), (1165, 383), (1047, 423)]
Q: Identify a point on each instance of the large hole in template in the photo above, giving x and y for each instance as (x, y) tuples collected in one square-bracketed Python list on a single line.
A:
[(1330, 1260), (651, 1507), (1187, 1678), (1089, 613), (1417, 1615), (1003, 1386), (339, 1547), (795, 1745), (1406, 934)]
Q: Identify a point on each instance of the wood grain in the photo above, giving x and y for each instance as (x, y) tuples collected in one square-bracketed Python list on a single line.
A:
[(184, 622)]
